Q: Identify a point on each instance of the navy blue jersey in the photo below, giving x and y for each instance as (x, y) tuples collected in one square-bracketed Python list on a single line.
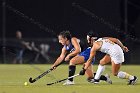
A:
[(86, 54), (70, 48)]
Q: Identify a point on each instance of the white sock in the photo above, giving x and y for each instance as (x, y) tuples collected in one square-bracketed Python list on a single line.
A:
[(99, 71), (124, 75)]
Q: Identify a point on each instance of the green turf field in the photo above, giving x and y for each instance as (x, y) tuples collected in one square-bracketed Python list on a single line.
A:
[(12, 78)]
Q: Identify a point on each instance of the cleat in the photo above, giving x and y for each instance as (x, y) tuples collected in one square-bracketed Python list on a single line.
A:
[(90, 80), (108, 79), (68, 82), (95, 81), (133, 81)]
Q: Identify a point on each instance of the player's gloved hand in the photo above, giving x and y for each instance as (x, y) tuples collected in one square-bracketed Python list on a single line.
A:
[(82, 72), (53, 67)]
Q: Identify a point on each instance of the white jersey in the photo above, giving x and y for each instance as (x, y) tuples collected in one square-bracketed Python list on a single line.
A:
[(113, 49)]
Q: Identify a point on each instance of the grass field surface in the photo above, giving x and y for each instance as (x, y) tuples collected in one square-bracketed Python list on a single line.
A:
[(12, 78)]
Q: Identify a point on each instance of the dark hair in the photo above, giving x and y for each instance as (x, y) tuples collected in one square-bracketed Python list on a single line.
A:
[(65, 34), (92, 34)]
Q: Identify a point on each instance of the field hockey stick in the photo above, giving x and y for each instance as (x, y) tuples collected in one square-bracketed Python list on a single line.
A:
[(62, 80), (31, 80)]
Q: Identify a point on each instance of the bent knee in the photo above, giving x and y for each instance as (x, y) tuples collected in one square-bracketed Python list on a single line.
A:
[(102, 62), (72, 62)]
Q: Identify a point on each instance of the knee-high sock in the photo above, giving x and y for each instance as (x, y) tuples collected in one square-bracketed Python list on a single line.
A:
[(72, 69), (102, 77), (99, 71), (124, 75)]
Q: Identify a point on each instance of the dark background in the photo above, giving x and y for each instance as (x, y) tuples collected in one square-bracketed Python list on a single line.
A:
[(41, 20)]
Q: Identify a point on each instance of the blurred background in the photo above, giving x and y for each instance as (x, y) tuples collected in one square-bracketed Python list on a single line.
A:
[(39, 22)]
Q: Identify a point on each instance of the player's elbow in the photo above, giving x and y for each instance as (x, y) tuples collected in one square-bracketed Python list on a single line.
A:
[(117, 40)]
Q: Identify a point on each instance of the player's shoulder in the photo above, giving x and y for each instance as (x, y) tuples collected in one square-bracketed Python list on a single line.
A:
[(97, 44), (75, 39), (99, 39)]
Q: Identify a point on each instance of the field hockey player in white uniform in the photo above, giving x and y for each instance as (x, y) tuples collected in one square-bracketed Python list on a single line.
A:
[(113, 49)]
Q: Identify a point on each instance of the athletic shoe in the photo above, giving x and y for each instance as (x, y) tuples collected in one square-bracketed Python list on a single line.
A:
[(133, 81), (95, 81), (90, 79), (108, 79), (68, 82)]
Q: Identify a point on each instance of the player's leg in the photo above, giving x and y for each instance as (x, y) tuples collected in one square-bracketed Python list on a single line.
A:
[(21, 56), (117, 58), (16, 59), (123, 75), (72, 67), (106, 59), (89, 73), (90, 76)]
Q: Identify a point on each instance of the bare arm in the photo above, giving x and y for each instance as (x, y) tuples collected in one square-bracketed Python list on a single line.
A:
[(77, 47), (117, 41), (60, 58), (94, 49), (26, 44)]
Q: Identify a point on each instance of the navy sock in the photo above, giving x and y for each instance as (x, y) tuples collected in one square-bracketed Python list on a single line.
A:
[(72, 69)]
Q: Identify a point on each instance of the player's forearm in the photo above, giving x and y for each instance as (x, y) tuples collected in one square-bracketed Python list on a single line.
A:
[(58, 61), (88, 63), (74, 53), (26, 44), (92, 55), (119, 43)]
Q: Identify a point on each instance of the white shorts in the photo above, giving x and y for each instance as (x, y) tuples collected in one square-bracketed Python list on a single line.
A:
[(116, 54)]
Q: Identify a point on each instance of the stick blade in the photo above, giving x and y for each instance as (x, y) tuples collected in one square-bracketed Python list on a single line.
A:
[(31, 80), (49, 84)]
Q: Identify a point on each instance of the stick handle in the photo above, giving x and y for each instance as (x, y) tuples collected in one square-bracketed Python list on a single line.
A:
[(73, 76), (63, 79)]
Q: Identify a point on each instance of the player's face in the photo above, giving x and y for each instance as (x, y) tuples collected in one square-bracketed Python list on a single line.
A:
[(62, 40), (90, 40)]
